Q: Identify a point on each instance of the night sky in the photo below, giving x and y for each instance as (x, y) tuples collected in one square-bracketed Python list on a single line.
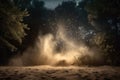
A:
[(51, 4)]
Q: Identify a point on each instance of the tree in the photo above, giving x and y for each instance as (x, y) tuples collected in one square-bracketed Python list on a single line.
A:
[(104, 16), (12, 29)]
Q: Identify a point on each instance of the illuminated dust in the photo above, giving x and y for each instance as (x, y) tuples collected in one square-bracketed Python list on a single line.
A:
[(57, 50)]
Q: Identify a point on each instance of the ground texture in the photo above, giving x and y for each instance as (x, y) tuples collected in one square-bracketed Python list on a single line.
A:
[(60, 73)]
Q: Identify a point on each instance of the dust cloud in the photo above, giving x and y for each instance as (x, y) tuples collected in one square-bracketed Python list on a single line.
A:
[(58, 49)]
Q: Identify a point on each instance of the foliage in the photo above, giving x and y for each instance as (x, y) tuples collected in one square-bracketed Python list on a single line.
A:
[(12, 29), (104, 8), (105, 15), (107, 44)]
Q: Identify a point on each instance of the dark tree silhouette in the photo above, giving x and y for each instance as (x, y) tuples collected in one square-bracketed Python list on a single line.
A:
[(39, 22), (104, 15), (12, 29)]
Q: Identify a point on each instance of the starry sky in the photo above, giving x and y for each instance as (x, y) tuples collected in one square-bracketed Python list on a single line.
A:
[(51, 4)]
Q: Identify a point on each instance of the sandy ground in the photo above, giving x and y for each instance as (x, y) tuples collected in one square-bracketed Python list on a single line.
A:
[(60, 73)]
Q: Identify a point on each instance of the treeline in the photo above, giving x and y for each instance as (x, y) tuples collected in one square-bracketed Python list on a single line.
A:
[(95, 22)]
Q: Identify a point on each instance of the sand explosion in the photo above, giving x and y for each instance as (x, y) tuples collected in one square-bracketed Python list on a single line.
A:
[(58, 49)]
